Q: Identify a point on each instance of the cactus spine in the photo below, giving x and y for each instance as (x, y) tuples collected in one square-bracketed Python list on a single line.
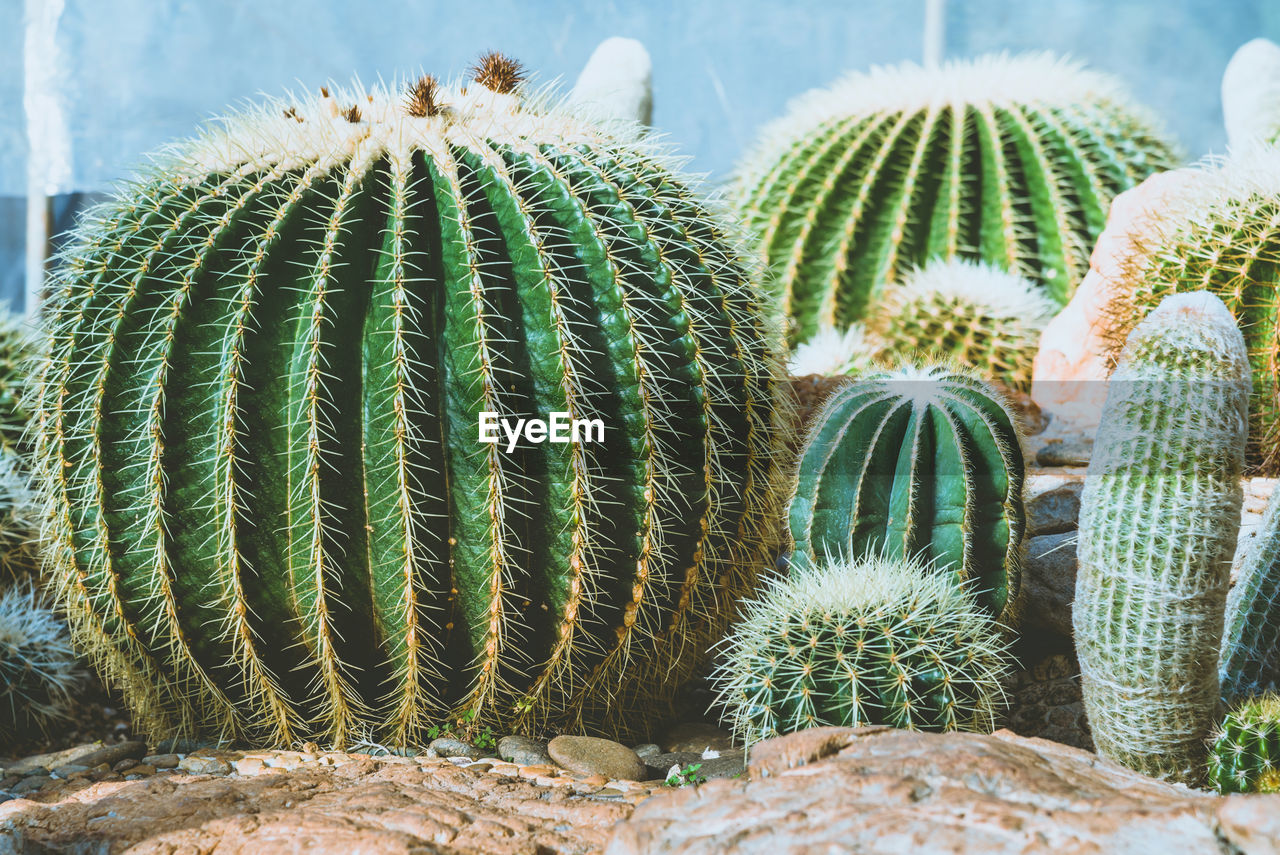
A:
[(1158, 521), (1245, 757), (37, 667), (917, 462), (973, 315), (1249, 660), (1221, 234), (874, 641), (1013, 161), (271, 515)]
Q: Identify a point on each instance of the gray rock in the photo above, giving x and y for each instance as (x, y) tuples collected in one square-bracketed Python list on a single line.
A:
[(1049, 582), (696, 736), (197, 765), (70, 769), (523, 751), (729, 764), (1074, 451), (30, 784), (162, 761), (5, 797), (647, 749), (113, 754), (34, 770), (180, 746), (447, 746), (590, 755), (1056, 510)]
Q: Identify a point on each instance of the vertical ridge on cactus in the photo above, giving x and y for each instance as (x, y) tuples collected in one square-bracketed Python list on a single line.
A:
[(1245, 757), (270, 515), (876, 640), (1249, 659), (917, 462), (1009, 160), (1158, 522)]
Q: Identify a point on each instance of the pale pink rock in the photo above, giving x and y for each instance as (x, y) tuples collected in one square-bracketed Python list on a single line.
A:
[(1076, 348)]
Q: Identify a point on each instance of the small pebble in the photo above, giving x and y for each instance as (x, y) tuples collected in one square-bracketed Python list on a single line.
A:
[(124, 765), (609, 793), (70, 769), (249, 765), (648, 749), (523, 751), (447, 746), (531, 772), (35, 771), (30, 784), (203, 765), (142, 770), (505, 769), (162, 761)]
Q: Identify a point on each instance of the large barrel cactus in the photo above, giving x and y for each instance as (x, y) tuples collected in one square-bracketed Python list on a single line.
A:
[(1158, 523), (273, 363), (1013, 161), (1219, 233), (916, 463)]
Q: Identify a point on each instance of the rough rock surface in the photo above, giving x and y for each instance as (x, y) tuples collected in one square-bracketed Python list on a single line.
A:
[(591, 755), (282, 802), (883, 790)]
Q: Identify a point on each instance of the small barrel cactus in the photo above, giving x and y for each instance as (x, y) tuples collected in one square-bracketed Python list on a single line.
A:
[(1158, 522), (1245, 757), (1220, 233), (917, 462), (1249, 659), (1013, 161), (38, 669), (872, 641), (972, 314), (275, 424)]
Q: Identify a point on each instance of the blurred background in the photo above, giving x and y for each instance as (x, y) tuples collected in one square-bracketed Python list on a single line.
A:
[(88, 87)]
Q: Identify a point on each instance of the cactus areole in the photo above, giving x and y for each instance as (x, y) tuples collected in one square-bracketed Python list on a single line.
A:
[(272, 515)]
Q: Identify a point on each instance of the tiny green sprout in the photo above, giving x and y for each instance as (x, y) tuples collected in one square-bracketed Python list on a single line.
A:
[(678, 777)]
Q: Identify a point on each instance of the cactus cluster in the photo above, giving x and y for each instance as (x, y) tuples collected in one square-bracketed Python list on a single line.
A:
[(917, 462), (1221, 234), (1010, 160), (38, 669), (972, 314), (1245, 757), (19, 521), (1249, 658), (876, 640), (20, 350), (271, 515), (1158, 521)]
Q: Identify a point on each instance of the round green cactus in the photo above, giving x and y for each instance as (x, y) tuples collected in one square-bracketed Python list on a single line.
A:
[(872, 641), (1221, 233), (917, 462), (973, 315), (274, 365), (1013, 161), (1245, 757), (1158, 521), (38, 669), (1249, 658)]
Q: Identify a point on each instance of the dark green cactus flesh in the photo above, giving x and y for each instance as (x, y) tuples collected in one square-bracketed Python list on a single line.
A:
[(916, 462), (1011, 161), (273, 518), (1245, 757)]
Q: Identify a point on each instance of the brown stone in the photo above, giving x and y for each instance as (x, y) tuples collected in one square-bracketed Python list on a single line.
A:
[(591, 755), (361, 806), (884, 790)]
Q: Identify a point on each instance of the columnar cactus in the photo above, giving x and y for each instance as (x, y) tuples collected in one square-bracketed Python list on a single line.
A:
[(1249, 659), (38, 669), (873, 641), (974, 315), (1220, 233), (1245, 757), (1013, 161), (273, 514), (1158, 522), (917, 462)]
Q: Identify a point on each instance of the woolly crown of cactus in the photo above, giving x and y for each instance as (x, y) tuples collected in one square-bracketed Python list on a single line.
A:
[(834, 352), (973, 314), (1251, 95), (1219, 232), (876, 640), (1012, 160), (273, 516)]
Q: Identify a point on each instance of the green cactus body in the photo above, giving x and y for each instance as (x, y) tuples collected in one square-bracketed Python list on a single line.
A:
[(1249, 659), (1158, 522), (271, 514), (970, 314), (1245, 757), (20, 352), (875, 641), (916, 462), (1013, 161), (1221, 234), (38, 669)]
